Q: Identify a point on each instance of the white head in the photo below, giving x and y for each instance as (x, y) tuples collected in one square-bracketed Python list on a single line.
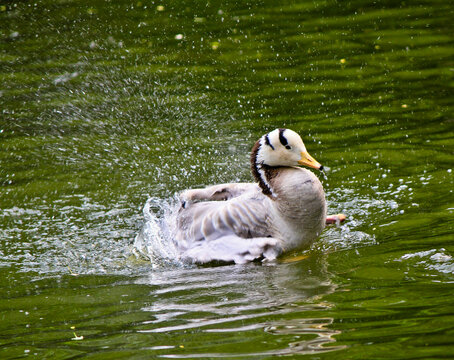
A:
[(284, 147), (280, 147)]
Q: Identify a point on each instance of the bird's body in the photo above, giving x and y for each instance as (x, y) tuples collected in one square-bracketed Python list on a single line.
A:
[(284, 210)]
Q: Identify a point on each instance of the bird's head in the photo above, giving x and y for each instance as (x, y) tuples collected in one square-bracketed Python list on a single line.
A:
[(283, 147)]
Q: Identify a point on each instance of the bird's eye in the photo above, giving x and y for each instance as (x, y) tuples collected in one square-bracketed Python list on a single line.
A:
[(288, 147)]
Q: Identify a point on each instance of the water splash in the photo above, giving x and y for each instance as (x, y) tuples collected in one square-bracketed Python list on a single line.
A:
[(433, 259), (324, 172), (72, 234), (155, 242)]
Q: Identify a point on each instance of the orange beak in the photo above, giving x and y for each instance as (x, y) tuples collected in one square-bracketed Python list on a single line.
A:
[(309, 161)]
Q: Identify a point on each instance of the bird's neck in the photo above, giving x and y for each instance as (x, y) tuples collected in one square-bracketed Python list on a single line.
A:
[(263, 174)]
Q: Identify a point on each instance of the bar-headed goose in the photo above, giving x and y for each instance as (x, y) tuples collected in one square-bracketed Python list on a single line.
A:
[(284, 210)]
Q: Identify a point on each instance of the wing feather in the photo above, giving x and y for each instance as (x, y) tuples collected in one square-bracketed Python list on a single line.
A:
[(233, 230), (233, 248)]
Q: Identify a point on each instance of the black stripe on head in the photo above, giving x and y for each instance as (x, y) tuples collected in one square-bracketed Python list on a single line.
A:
[(283, 139), (267, 141)]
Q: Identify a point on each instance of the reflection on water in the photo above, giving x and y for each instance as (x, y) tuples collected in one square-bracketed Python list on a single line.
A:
[(233, 302)]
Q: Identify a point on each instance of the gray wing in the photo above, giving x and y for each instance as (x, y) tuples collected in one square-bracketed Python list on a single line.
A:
[(234, 230)]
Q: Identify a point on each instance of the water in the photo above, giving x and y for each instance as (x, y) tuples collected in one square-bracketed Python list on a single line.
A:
[(105, 106)]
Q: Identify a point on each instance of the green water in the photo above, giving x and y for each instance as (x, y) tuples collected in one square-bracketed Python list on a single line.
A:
[(105, 104)]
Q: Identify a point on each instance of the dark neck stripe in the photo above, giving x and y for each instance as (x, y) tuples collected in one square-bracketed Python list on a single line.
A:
[(267, 141), (259, 170)]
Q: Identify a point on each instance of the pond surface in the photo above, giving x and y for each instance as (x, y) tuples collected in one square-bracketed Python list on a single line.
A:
[(110, 105)]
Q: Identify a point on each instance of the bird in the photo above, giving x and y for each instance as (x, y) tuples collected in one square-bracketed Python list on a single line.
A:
[(283, 210)]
